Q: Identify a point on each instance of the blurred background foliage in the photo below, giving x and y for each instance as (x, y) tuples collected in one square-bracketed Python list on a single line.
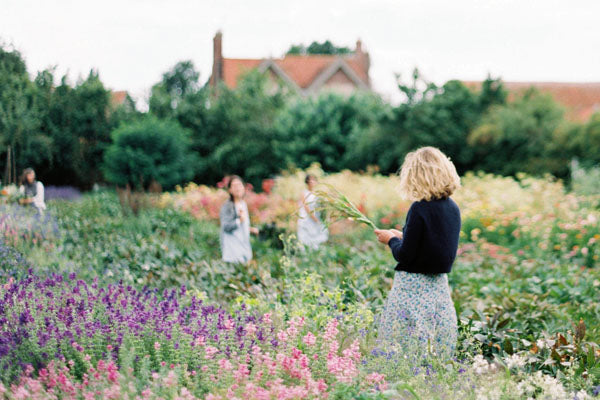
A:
[(257, 130)]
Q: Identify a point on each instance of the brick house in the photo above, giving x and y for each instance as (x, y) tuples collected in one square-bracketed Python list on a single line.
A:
[(306, 74), (580, 100)]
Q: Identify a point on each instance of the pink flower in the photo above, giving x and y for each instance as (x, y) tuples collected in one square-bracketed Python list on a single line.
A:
[(200, 341), (282, 336), (171, 379), (210, 352), (353, 351), (333, 347), (296, 353), (250, 329), (229, 324), (204, 368), (109, 347), (241, 372), (225, 364), (309, 339), (146, 393), (375, 378), (331, 330), (267, 318), (156, 346)]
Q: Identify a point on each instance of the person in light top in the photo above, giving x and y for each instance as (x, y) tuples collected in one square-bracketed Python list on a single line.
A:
[(311, 230), (32, 190), (419, 313), (235, 224)]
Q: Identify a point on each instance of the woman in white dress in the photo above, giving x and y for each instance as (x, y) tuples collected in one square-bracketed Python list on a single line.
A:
[(311, 231), (235, 224), (33, 191)]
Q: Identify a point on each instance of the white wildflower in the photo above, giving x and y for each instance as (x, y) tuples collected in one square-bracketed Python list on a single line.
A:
[(480, 365), (514, 361)]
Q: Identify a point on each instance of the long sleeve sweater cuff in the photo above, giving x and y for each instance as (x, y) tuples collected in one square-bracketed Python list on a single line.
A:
[(393, 240)]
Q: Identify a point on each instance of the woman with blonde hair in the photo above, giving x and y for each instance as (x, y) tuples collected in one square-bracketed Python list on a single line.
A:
[(419, 313)]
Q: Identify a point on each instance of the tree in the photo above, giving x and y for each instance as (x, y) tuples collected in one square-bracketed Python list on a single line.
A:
[(147, 151), (522, 136), (583, 141), (317, 48), (177, 83), (19, 117), (326, 130), (240, 122)]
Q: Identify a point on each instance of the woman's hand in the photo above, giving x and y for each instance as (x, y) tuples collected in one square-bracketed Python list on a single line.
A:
[(254, 230), (384, 235), (397, 233)]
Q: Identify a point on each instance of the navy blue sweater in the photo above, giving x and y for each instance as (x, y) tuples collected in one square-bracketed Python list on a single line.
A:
[(430, 237)]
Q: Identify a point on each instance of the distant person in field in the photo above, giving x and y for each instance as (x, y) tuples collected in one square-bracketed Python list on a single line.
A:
[(311, 230), (32, 190), (235, 224), (419, 313)]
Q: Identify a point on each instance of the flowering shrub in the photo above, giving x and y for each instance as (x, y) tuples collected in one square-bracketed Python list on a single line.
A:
[(205, 203), (11, 261), (61, 192), (528, 322), (25, 224), (226, 353)]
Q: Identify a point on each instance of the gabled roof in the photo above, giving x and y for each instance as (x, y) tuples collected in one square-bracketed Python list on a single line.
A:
[(581, 100), (233, 68), (303, 70), (118, 97)]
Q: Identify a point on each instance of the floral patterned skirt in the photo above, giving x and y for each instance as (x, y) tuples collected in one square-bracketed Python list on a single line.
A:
[(419, 315)]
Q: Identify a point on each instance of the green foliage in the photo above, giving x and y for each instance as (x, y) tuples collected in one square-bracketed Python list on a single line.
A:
[(585, 181), (534, 304), (430, 116), (585, 141), (61, 131), (519, 137), (20, 114), (317, 48), (147, 151), (177, 83), (232, 133), (255, 130), (326, 130)]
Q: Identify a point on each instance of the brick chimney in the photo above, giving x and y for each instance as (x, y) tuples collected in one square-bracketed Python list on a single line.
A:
[(217, 69), (363, 58)]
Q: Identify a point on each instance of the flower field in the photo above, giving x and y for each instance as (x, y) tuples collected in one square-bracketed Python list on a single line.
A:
[(97, 303)]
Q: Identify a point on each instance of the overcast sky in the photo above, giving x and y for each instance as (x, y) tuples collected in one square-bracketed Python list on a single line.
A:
[(132, 42)]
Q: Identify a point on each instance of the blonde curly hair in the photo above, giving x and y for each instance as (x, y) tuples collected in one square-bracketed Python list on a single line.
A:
[(427, 174)]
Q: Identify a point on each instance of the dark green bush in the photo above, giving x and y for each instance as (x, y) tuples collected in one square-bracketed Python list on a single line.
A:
[(147, 151)]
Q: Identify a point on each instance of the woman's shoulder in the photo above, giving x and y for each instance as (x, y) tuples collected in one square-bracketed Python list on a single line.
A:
[(227, 206)]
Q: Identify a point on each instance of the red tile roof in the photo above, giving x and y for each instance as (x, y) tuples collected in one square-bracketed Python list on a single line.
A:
[(302, 69), (581, 100), (233, 68), (118, 97)]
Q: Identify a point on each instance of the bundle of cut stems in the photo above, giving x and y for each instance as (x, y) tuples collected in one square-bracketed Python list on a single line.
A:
[(339, 206)]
